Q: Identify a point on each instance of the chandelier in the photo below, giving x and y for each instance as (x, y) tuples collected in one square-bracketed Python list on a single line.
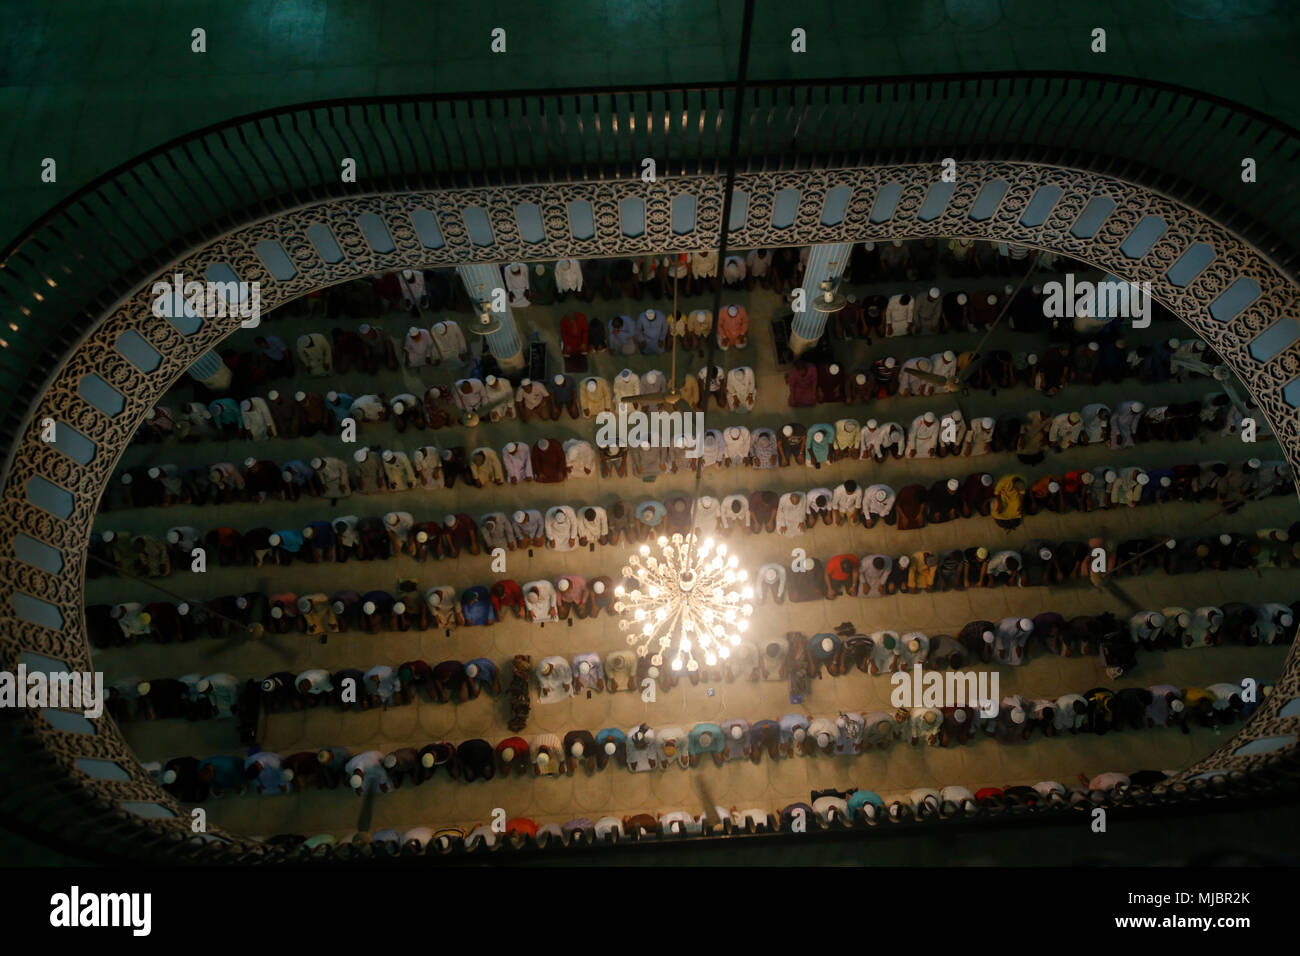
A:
[(692, 599)]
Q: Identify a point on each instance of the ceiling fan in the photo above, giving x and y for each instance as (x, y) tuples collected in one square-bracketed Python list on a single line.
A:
[(673, 394)]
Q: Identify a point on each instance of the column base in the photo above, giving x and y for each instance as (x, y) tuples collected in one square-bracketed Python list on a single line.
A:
[(799, 344), (511, 363)]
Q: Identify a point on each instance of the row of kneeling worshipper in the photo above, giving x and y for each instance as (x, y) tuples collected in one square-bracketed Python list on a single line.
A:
[(470, 400), (1008, 500), (643, 748), (1036, 564), (812, 383), (826, 809), (553, 460), (793, 657)]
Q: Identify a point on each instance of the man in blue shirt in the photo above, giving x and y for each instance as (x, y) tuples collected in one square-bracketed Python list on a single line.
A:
[(483, 675), (565, 393), (476, 606), (288, 545), (706, 738), (622, 337), (651, 331), (650, 514), (222, 773)]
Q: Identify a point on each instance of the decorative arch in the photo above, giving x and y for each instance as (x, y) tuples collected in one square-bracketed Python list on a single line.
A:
[(103, 389)]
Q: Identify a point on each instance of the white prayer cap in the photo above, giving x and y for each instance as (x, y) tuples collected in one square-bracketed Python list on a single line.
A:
[(368, 607), (787, 430), (1225, 539), (1008, 289), (408, 273), (1017, 715), (934, 292), (869, 246), (413, 332), (299, 396), (890, 362), (274, 539), (962, 298), (1137, 406), (988, 637), (355, 780), (1094, 346), (520, 517), (241, 602), (1053, 487), (245, 406), (399, 607), (268, 685), (960, 715), (155, 472), (169, 776), (1176, 706), (799, 734), (769, 575), (834, 369), (399, 407), (732, 310), (611, 748), (360, 454), (1087, 478), (317, 462), (421, 536), (913, 645), (389, 456), (562, 584), (1032, 358), (304, 604), (390, 761), (277, 613), (1155, 619), (544, 444), (330, 396), (1110, 475), (1143, 478), (898, 243), (872, 424), (490, 381), (449, 520), (599, 587), (992, 299), (287, 475), (950, 356), (1286, 620), (904, 561), (338, 607), (828, 644), (1173, 343), (174, 537), (953, 484), (881, 494), (860, 379), (142, 688), (1044, 554), (559, 380), (1037, 289), (986, 479), (929, 418), (1026, 625), (1254, 463), (543, 760), (823, 739)]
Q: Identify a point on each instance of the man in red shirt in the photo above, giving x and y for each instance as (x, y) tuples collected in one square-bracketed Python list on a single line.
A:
[(573, 334), (507, 594), (842, 575)]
